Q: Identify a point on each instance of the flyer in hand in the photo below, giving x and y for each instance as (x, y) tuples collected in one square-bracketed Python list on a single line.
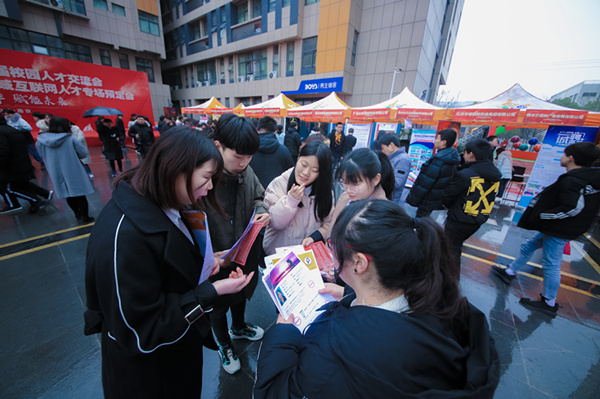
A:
[(294, 285), (196, 220), (240, 250)]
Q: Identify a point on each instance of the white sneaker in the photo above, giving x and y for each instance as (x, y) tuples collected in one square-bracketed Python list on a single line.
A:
[(249, 332), (229, 360)]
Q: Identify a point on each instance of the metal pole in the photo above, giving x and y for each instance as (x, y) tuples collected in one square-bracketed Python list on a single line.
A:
[(393, 81)]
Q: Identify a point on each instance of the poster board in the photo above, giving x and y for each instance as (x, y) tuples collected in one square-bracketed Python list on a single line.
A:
[(420, 149), (547, 169), (362, 132)]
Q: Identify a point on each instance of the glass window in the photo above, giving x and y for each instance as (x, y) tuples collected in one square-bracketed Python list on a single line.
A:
[(242, 13), (354, 44), (272, 5), (309, 56), (102, 4), (145, 65), (290, 60), (77, 52), (77, 6), (40, 50), (207, 73), (256, 8), (124, 61), (230, 69), (195, 30), (286, 3), (149, 23), (253, 65), (276, 59), (105, 57), (117, 9), (308, 2)]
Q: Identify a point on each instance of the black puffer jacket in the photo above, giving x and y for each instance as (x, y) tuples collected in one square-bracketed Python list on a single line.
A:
[(271, 160), (15, 164), (433, 179), (470, 194), (567, 208), (365, 352), (292, 142)]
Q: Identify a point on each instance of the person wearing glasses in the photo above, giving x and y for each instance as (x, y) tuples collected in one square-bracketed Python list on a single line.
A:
[(404, 331), (364, 174), (300, 201)]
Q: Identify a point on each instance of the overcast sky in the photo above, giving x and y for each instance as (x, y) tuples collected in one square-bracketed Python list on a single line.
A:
[(545, 45)]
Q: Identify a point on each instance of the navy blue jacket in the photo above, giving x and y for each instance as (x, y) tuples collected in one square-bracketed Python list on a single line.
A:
[(271, 160), (432, 180), (365, 352)]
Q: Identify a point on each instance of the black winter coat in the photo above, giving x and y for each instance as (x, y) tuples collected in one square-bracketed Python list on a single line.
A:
[(292, 142), (567, 208), (337, 150), (271, 160), (111, 139), (15, 164), (365, 352), (141, 280), (145, 136), (470, 194), (433, 179)]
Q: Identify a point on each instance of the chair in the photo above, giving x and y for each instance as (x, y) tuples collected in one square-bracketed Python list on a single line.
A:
[(518, 178)]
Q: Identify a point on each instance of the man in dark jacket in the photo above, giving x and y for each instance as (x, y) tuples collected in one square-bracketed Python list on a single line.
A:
[(142, 132), (390, 146), (561, 212), (426, 193), (337, 144), (292, 141), (272, 158), (350, 142), (469, 197), (15, 172)]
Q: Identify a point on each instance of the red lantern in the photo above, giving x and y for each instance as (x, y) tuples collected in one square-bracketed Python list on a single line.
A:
[(516, 145), (537, 147)]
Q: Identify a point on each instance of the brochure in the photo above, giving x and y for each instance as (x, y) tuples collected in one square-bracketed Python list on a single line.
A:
[(240, 250), (323, 257), (197, 223), (294, 288)]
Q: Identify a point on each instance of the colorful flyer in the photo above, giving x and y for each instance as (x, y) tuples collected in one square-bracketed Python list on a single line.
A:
[(240, 250), (196, 220)]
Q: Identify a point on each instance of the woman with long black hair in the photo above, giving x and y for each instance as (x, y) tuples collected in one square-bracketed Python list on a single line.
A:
[(405, 330), (300, 201)]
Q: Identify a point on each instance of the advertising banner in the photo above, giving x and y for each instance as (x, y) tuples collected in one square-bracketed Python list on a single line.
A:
[(362, 132), (486, 115), (420, 149), (571, 118), (547, 169), (418, 114), (38, 83)]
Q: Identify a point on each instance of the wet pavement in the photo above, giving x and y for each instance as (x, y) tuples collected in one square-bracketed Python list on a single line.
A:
[(44, 353)]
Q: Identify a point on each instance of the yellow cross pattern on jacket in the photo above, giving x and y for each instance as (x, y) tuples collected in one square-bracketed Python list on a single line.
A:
[(483, 205)]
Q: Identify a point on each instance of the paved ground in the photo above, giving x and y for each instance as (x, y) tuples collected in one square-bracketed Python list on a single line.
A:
[(44, 354)]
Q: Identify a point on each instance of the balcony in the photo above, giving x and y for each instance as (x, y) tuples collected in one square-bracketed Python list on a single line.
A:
[(246, 29)]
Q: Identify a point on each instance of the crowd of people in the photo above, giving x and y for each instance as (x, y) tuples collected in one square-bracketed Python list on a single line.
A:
[(394, 275)]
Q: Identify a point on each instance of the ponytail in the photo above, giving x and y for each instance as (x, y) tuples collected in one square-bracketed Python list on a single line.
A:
[(388, 181)]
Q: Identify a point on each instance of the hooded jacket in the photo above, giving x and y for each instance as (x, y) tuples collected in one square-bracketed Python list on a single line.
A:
[(21, 125), (292, 142), (470, 194), (401, 164), (365, 352), (567, 208), (504, 163), (291, 223), (62, 153), (15, 164), (271, 160), (435, 175)]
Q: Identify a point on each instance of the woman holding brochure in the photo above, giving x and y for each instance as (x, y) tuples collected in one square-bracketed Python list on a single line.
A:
[(147, 269), (300, 201), (405, 331)]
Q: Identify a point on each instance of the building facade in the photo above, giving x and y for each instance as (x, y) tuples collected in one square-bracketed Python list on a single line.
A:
[(582, 93), (251, 50), (119, 33)]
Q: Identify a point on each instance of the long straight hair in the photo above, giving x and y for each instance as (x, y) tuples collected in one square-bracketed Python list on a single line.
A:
[(322, 186), (408, 254), (179, 152)]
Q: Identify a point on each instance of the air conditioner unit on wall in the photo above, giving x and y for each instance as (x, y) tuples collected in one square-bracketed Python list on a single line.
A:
[(273, 75), (57, 4), (250, 78), (241, 79), (198, 83), (206, 83)]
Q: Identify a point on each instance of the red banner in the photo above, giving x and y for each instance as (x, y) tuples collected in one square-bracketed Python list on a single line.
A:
[(371, 114), (38, 83), (260, 112), (487, 115), (416, 114), (569, 118)]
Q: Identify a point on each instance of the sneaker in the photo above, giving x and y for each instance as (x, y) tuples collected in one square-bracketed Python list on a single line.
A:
[(36, 206), (502, 275), (540, 305), (50, 194), (11, 209), (91, 176), (249, 332), (114, 174), (229, 360)]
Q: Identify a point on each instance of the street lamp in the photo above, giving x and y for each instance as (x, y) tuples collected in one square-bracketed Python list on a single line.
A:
[(396, 70)]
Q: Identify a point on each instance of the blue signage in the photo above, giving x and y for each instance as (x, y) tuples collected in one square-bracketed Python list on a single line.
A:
[(318, 86)]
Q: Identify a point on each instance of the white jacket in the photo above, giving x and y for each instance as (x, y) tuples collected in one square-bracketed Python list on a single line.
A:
[(79, 135), (290, 224), (504, 164)]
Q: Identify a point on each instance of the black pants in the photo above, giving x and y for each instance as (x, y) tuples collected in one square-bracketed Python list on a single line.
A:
[(218, 321), (119, 163), (22, 189), (456, 234), (421, 213), (79, 205), (502, 187)]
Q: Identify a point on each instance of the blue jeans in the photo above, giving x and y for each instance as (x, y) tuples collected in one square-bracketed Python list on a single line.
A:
[(552, 257)]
